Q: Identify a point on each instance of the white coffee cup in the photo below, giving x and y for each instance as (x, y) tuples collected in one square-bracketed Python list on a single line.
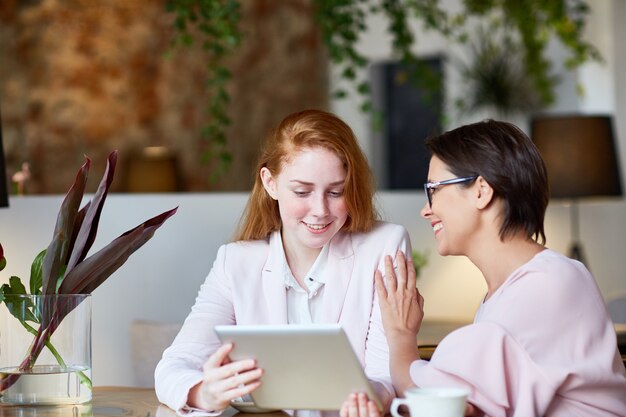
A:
[(432, 402)]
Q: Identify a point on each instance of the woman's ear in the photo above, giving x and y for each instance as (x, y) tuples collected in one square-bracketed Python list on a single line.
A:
[(484, 193), (269, 183)]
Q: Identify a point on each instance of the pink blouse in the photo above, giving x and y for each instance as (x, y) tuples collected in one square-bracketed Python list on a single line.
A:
[(542, 345)]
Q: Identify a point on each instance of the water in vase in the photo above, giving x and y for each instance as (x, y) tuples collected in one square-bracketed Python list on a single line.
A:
[(47, 385)]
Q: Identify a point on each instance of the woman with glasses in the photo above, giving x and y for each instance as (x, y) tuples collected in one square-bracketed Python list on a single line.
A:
[(542, 342)]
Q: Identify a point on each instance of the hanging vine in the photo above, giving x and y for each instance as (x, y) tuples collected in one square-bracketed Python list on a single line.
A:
[(530, 24), (214, 23)]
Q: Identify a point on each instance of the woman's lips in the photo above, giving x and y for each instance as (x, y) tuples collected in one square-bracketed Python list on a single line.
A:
[(317, 228)]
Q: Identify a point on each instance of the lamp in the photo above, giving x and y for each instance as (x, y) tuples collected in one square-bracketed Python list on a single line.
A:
[(581, 159), (4, 193)]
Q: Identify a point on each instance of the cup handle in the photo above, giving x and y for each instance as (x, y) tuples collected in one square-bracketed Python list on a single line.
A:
[(395, 404)]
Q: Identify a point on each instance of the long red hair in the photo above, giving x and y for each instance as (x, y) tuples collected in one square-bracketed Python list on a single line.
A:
[(302, 130)]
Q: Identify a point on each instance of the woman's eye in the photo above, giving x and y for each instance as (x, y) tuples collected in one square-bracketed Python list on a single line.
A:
[(301, 193), (335, 193)]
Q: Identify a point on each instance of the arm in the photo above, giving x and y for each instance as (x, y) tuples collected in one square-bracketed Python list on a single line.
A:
[(394, 238), (402, 309), (193, 360)]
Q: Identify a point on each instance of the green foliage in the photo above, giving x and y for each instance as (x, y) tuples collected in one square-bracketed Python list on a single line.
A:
[(341, 23), (496, 79), (420, 259), (35, 281), (19, 307), (530, 23), (214, 23)]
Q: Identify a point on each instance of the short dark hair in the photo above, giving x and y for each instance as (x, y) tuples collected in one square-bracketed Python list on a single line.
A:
[(509, 161)]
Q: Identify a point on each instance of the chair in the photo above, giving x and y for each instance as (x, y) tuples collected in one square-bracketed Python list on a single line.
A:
[(148, 341), (616, 304), (426, 351), (431, 333)]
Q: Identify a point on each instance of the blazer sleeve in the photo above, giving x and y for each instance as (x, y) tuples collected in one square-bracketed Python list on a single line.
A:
[(376, 348), (180, 368)]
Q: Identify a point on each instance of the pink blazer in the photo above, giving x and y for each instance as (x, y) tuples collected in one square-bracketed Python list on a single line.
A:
[(245, 286)]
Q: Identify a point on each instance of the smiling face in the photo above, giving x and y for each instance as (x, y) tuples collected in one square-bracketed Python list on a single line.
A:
[(309, 190), (453, 215)]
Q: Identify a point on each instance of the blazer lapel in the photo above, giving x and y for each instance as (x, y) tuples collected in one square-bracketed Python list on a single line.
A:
[(339, 273), (274, 291)]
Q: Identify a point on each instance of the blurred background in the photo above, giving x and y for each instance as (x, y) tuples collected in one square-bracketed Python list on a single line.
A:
[(187, 89)]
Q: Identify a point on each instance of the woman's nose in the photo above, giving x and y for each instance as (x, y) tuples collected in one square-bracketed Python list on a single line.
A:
[(426, 211), (320, 206)]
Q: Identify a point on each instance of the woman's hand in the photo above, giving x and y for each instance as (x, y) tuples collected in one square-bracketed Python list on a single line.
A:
[(224, 380), (401, 304), (359, 405), (471, 411), (402, 310)]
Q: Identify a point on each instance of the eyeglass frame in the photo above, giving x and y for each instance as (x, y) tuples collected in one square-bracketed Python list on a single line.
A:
[(434, 185)]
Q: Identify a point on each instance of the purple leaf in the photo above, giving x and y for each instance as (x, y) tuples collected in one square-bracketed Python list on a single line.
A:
[(93, 271), (3, 261), (89, 225), (57, 251), (78, 221)]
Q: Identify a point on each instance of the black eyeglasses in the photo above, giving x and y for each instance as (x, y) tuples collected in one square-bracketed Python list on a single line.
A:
[(430, 187)]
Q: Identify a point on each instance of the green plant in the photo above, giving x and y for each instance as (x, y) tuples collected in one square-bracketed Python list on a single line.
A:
[(495, 79), (420, 259), (531, 24), (64, 268), (215, 24)]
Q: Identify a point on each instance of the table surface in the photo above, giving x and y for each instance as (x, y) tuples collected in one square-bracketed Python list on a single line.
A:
[(142, 402), (107, 402)]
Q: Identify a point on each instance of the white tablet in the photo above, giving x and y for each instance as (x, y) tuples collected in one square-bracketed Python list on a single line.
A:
[(306, 367)]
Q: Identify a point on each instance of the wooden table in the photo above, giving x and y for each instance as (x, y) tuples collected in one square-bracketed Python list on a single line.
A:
[(108, 402)]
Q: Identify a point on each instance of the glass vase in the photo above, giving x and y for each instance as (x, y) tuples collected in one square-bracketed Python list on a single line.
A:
[(45, 349)]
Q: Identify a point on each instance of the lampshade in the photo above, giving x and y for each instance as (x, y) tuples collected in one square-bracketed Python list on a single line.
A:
[(4, 195), (580, 155)]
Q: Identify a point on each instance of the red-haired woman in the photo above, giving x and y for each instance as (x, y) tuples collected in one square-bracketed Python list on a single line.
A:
[(305, 252)]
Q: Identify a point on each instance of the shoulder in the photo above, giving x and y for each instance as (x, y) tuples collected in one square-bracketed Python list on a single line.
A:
[(252, 251), (554, 273), (550, 289), (381, 231), (383, 239)]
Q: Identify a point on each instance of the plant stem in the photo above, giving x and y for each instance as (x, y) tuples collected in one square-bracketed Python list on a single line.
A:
[(42, 338)]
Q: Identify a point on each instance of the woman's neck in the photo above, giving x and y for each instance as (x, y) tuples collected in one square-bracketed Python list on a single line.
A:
[(299, 258), (498, 260)]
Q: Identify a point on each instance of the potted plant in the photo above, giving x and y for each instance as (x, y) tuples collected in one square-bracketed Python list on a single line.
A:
[(61, 279)]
